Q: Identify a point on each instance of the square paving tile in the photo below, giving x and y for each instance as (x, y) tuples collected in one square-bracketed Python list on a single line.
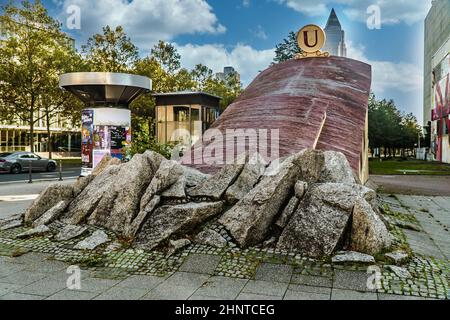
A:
[(97, 285), (222, 287), (383, 296), (200, 263), (21, 296), (179, 286), (43, 287), (67, 294), (339, 294), (47, 266), (298, 295), (310, 289), (316, 281), (23, 277), (268, 288), (141, 282), (253, 296), (8, 287), (274, 272), (351, 280), (122, 293)]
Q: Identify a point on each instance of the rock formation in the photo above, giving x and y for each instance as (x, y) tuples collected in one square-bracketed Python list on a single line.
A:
[(308, 203)]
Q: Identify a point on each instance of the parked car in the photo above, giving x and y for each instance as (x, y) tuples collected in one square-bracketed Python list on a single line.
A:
[(17, 162)]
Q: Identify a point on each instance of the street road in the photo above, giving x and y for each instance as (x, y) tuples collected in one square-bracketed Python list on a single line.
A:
[(69, 171)]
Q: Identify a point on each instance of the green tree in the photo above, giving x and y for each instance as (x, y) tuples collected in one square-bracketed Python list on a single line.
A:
[(112, 51), (33, 53), (167, 56), (287, 49)]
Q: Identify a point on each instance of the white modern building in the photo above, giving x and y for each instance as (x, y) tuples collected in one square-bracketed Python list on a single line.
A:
[(436, 79), (335, 43)]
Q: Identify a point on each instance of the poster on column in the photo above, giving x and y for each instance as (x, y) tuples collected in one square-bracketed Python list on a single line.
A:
[(87, 130)]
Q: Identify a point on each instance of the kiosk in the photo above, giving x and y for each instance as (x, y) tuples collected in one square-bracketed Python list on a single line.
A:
[(106, 120)]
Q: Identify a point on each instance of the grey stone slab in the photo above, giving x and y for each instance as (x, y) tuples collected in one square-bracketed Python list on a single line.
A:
[(179, 286), (316, 281), (141, 282), (7, 268), (170, 292), (194, 280), (200, 263), (122, 293), (222, 287), (8, 287), (274, 272), (43, 287), (30, 258), (383, 296), (67, 294), (47, 266), (97, 285), (352, 280), (298, 295), (339, 294), (310, 289), (268, 288), (198, 297), (254, 296), (23, 277), (21, 296)]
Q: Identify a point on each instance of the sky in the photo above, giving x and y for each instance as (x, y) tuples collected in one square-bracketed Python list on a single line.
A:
[(244, 33)]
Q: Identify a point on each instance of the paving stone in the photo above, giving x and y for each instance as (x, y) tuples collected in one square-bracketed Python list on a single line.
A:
[(200, 263), (43, 287), (254, 296), (274, 272), (339, 294), (310, 289), (47, 266), (312, 280), (8, 287), (21, 296), (67, 294), (352, 280), (31, 258), (383, 296), (198, 297), (268, 288), (179, 286), (222, 287), (122, 293), (23, 277), (7, 268), (97, 285), (141, 282), (298, 295)]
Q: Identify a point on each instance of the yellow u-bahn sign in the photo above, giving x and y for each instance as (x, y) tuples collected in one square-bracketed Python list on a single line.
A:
[(310, 40)]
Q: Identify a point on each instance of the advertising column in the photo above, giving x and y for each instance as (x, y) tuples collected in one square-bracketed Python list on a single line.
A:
[(106, 131)]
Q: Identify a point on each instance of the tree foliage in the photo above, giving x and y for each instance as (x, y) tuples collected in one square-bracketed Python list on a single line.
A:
[(391, 129), (33, 53), (111, 51), (287, 49)]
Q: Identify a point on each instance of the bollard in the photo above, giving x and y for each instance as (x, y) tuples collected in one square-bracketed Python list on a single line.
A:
[(60, 170), (30, 171)]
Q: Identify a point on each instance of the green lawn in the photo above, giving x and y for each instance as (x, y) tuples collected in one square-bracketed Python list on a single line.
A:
[(408, 167)]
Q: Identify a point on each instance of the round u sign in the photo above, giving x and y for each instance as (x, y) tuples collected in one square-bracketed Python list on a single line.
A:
[(311, 38)]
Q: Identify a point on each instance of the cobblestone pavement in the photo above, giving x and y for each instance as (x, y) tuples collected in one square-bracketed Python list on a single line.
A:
[(37, 268)]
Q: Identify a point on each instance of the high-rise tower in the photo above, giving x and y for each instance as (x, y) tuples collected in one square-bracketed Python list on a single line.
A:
[(335, 43)]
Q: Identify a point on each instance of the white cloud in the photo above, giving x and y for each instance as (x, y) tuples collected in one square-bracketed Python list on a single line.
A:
[(402, 77), (260, 33), (392, 11), (245, 59), (246, 3), (147, 21)]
